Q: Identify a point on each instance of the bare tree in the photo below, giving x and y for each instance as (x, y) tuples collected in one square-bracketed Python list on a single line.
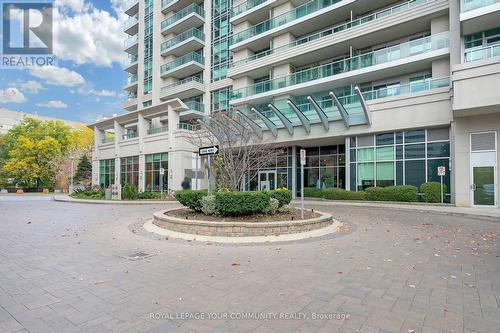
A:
[(241, 148)]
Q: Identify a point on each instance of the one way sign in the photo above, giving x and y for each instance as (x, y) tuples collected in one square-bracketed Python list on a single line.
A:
[(212, 150)]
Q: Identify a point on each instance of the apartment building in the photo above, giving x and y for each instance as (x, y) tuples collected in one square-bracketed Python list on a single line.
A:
[(378, 92)]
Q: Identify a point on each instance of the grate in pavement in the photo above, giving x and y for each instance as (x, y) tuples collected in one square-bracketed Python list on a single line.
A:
[(137, 255)]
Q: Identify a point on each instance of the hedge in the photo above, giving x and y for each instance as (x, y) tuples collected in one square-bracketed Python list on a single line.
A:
[(405, 193), (190, 198), (312, 192), (341, 194), (432, 191), (241, 203), (129, 192), (283, 196)]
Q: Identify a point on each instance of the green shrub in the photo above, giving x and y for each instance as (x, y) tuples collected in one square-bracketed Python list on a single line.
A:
[(272, 206), (208, 206), (432, 191), (241, 203), (283, 196), (91, 195), (129, 192), (148, 195), (405, 193), (341, 194), (190, 198), (313, 192)]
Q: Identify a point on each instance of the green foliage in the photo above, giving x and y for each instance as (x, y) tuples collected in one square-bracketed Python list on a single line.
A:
[(148, 195), (208, 206), (312, 192), (432, 191), (283, 196), (190, 198), (83, 174), (129, 192), (405, 193), (341, 194), (272, 206), (92, 195), (241, 203)]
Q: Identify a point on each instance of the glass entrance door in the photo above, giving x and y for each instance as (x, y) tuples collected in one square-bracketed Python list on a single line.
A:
[(267, 180), (484, 185)]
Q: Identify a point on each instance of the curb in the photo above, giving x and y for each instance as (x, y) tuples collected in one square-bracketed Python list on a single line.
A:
[(111, 202)]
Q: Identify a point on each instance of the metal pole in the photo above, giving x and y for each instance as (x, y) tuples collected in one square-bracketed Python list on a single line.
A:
[(209, 174), (196, 173), (161, 186), (442, 195), (302, 191)]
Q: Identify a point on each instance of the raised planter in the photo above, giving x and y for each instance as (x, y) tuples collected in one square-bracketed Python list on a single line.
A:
[(238, 229)]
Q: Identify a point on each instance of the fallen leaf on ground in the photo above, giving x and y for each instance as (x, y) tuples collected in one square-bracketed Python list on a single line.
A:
[(99, 282), (342, 228), (411, 286), (235, 263)]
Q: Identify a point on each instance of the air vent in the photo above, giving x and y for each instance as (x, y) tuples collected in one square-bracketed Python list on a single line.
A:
[(483, 141)]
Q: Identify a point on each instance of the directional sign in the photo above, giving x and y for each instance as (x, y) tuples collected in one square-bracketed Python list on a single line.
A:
[(212, 150), (303, 157), (441, 171)]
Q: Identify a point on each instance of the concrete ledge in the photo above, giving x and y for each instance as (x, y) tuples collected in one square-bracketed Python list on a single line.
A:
[(66, 198), (238, 229)]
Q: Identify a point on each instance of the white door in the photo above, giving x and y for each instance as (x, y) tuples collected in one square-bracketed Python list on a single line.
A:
[(267, 180), (483, 176)]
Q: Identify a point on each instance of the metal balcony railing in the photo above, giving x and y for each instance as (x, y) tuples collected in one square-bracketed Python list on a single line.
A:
[(107, 140), (193, 32), (130, 59), (243, 7), (188, 127), (193, 56), (181, 82), (466, 5), (192, 8), (130, 22), (196, 106), (132, 79), (340, 27), (155, 130), (482, 53), (401, 51), (130, 135), (130, 41)]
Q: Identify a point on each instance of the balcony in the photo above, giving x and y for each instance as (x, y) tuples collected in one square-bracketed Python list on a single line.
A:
[(107, 140), (183, 89), (131, 83), (131, 26), (156, 130), (190, 16), (131, 45), (330, 38), (188, 127), (186, 65), (131, 7), (468, 5), (130, 135), (482, 53), (130, 64), (176, 5), (131, 103), (255, 11), (188, 41), (363, 67)]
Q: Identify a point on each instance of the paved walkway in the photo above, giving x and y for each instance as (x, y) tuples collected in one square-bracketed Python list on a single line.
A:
[(62, 270)]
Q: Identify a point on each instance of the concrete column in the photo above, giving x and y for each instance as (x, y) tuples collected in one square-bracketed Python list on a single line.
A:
[(142, 173), (98, 136), (117, 171), (455, 34), (347, 163), (173, 122), (95, 169), (142, 128)]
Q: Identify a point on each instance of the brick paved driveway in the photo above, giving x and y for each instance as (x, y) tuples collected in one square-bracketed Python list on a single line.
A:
[(61, 271)]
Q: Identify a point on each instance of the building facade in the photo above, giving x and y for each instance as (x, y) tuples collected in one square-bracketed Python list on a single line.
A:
[(379, 93)]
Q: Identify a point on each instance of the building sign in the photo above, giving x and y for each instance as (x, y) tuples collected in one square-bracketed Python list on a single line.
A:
[(212, 150)]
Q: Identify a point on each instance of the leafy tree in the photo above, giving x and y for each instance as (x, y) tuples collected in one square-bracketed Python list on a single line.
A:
[(83, 173)]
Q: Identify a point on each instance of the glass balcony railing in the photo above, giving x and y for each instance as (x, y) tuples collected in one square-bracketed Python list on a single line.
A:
[(196, 106), (130, 60), (193, 32), (130, 22), (130, 135), (466, 5), (482, 53), (131, 79), (193, 56), (130, 3), (192, 8), (181, 82), (165, 3), (130, 41), (401, 51), (243, 7), (188, 127), (284, 18), (107, 140), (156, 130), (341, 27)]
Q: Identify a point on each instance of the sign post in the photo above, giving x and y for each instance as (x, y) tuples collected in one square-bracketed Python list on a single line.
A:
[(209, 152), (162, 172), (441, 174), (302, 163)]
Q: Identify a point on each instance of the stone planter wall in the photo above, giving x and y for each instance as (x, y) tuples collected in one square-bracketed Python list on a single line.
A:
[(239, 229)]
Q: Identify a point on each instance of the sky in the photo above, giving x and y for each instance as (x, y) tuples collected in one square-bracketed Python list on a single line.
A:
[(87, 82)]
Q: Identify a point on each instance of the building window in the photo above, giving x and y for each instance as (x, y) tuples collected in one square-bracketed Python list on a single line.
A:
[(220, 100), (129, 169), (325, 167), (106, 173), (399, 158), (154, 162)]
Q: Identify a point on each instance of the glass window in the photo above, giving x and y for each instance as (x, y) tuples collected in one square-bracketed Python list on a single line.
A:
[(399, 152), (438, 149), (415, 172), (385, 174), (330, 160), (399, 173), (385, 139), (385, 153), (365, 141), (415, 136), (365, 154), (365, 176), (438, 134), (415, 151), (153, 164), (432, 176), (106, 173)]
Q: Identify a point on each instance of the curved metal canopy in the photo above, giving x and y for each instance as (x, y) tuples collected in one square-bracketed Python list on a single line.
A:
[(286, 122), (266, 121), (322, 115), (303, 119)]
